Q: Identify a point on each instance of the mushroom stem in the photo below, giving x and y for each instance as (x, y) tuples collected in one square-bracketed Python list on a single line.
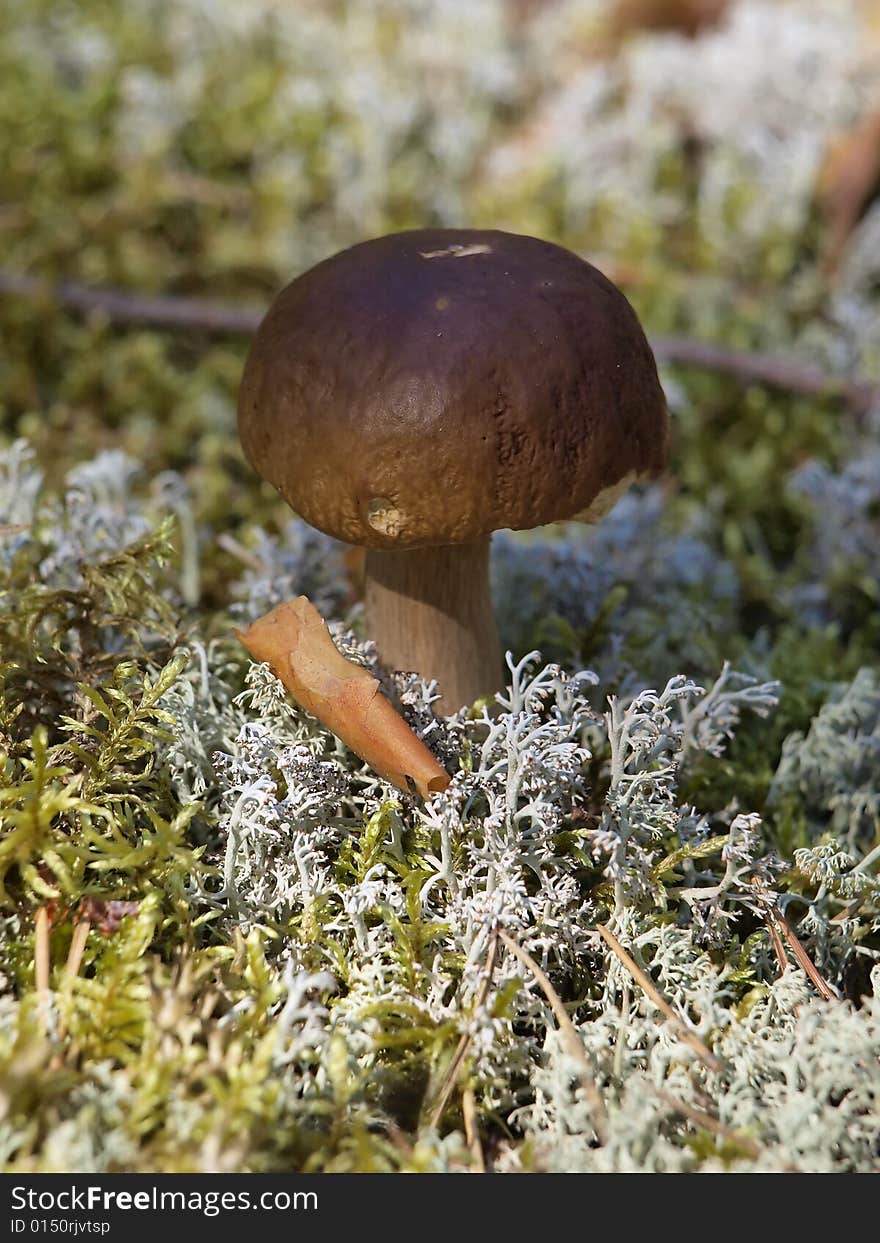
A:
[(430, 611)]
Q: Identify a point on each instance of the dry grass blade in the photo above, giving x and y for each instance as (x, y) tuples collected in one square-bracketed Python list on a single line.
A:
[(687, 17), (41, 950), (235, 549), (42, 961), (451, 1077), (81, 930), (77, 948), (570, 1038), (650, 989), (471, 1130)]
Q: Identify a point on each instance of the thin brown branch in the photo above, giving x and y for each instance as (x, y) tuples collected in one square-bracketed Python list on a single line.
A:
[(198, 315), (570, 1039), (650, 989), (127, 308), (849, 910), (774, 370), (454, 1070)]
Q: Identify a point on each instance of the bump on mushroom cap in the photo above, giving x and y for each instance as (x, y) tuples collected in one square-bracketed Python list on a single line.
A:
[(433, 386)]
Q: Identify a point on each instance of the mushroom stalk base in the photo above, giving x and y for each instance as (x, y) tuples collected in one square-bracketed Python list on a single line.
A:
[(430, 611)]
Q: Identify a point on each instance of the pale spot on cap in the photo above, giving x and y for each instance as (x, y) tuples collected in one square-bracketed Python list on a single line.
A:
[(605, 500), (457, 250), (384, 517)]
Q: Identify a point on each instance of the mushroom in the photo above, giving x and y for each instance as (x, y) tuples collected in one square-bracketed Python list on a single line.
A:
[(419, 391)]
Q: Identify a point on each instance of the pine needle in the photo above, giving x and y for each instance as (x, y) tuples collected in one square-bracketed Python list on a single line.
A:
[(568, 1032), (777, 923), (776, 941), (650, 989), (823, 988)]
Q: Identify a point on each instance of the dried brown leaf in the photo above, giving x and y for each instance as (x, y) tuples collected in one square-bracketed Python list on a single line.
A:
[(296, 644)]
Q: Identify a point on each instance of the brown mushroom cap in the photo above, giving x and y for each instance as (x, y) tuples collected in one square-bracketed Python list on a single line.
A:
[(431, 387)]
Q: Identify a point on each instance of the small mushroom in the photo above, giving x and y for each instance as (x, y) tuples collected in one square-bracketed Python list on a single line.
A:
[(417, 392)]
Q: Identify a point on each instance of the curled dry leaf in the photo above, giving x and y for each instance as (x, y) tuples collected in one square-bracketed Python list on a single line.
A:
[(295, 643)]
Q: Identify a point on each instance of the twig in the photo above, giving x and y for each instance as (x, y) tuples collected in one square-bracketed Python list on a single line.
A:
[(872, 857), (570, 1039), (162, 311), (774, 370), (649, 987), (471, 1129), (454, 1070)]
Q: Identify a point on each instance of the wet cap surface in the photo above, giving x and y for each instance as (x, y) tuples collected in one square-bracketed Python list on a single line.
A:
[(431, 387)]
